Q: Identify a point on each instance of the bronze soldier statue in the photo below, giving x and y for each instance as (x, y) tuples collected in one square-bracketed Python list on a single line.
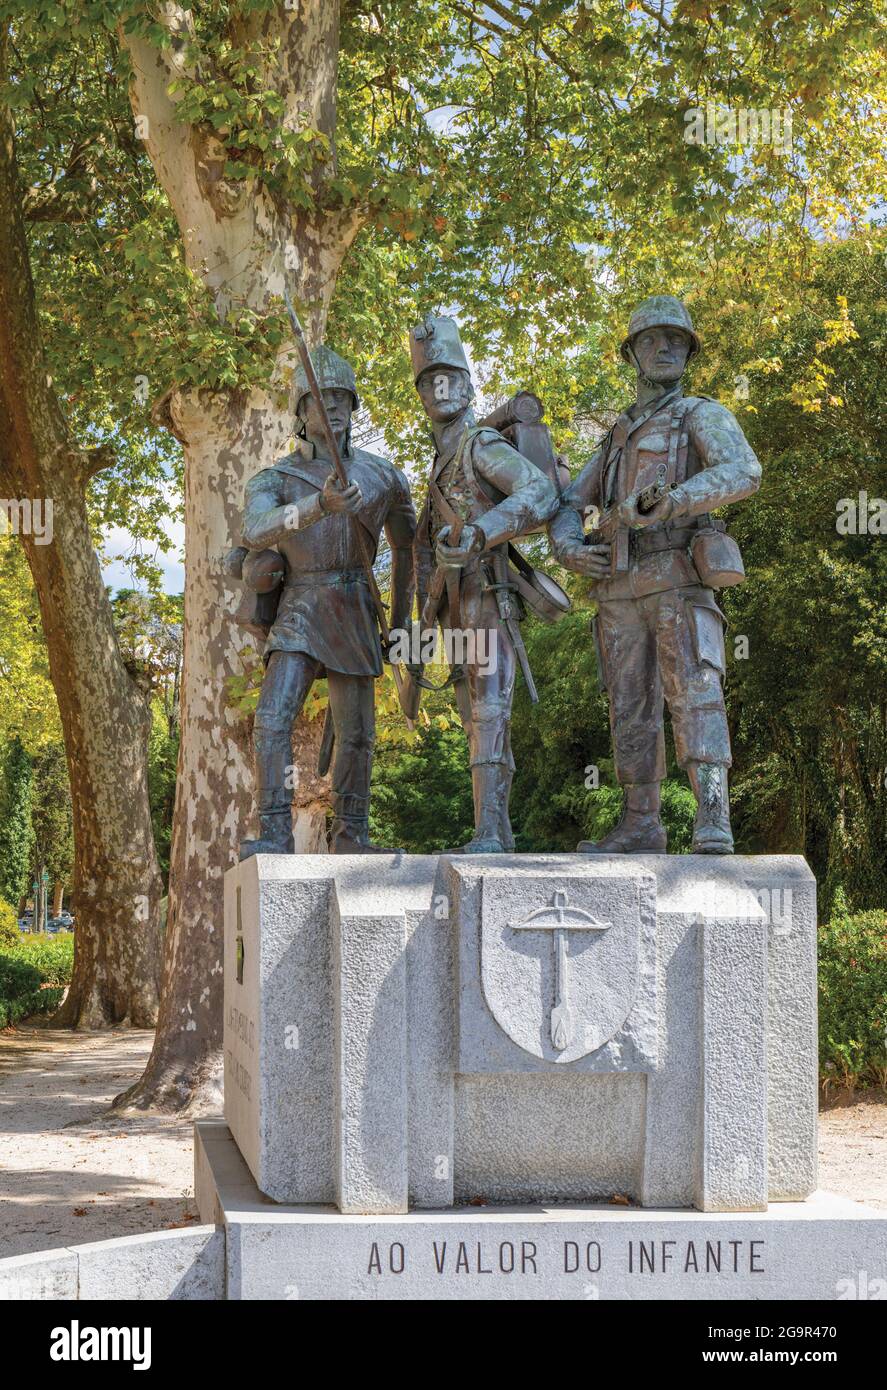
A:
[(656, 558), (325, 622), (482, 494)]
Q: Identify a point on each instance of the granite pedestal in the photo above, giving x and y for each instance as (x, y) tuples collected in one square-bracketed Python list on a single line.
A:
[(417, 1032), (525, 1076)]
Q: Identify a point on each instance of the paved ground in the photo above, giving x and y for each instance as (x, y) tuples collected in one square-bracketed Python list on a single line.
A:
[(69, 1173)]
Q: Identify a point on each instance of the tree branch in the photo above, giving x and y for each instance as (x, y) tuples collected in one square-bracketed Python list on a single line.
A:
[(96, 460)]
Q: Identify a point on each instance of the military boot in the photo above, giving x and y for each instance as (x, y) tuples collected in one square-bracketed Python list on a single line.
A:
[(711, 829), (506, 835), (639, 831), (489, 782), (350, 830), (276, 835)]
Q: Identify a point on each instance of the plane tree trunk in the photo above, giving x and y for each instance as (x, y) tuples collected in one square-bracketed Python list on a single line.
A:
[(104, 717), (245, 245)]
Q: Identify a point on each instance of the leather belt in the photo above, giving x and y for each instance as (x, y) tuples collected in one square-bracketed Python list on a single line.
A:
[(653, 541), (309, 579)]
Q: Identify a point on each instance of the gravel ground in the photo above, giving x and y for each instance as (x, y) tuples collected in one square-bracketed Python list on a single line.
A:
[(69, 1173)]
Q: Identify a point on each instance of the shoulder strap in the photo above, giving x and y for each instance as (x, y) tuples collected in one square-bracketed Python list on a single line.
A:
[(448, 513)]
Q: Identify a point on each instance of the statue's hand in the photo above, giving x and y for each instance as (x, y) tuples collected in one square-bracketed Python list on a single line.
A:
[(471, 542), (590, 560), (630, 516), (336, 498)]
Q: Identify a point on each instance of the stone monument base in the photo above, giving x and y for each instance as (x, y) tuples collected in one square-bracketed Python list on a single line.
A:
[(824, 1248)]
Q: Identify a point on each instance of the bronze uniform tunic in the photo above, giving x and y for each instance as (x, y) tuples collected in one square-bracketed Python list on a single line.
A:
[(487, 483), (326, 610), (659, 632)]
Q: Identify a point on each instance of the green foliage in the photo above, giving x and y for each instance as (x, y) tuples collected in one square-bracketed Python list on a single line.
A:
[(853, 999), (422, 792), (33, 976), (28, 707), (807, 705), (163, 753), (9, 932), (16, 832), (51, 815)]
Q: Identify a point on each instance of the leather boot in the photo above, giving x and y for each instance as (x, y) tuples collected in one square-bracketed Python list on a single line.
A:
[(639, 831), (351, 835), (350, 830), (489, 782), (711, 829), (276, 835), (506, 835)]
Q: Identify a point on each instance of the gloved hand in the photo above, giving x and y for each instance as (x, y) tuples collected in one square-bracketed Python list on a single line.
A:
[(471, 542), (590, 560), (630, 516), (335, 498)]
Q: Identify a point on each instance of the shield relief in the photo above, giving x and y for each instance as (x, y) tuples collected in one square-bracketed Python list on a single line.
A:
[(561, 960)]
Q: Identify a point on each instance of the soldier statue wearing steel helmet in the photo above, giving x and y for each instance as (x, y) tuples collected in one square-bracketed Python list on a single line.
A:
[(656, 559), (488, 493), (325, 623)]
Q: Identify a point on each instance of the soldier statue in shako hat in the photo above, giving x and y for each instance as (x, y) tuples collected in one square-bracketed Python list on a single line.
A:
[(656, 560), (482, 494), (325, 623)]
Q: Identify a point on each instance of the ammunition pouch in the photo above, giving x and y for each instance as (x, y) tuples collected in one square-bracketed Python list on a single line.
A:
[(707, 624)]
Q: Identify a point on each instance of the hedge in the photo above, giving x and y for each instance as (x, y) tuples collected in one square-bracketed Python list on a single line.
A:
[(853, 999), (33, 976)]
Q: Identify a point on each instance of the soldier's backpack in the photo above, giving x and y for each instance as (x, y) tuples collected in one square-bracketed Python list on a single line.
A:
[(521, 422)]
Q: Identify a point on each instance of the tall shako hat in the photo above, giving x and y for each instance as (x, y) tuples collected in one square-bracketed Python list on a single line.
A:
[(435, 342)]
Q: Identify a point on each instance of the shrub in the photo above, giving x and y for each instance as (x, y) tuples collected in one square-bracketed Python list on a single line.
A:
[(33, 976), (853, 999), (9, 932)]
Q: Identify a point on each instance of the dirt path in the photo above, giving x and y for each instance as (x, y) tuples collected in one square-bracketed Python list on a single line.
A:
[(853, 1148), (66, 1174)]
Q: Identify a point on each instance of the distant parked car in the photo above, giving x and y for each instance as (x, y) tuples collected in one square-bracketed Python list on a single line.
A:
[(66, 919)]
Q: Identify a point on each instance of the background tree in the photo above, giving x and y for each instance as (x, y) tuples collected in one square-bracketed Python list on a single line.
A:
[(102, 714), (52, 852), (16, 833)]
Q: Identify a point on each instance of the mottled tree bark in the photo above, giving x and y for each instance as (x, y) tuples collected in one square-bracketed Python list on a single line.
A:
[(104, 717), (246, 246)]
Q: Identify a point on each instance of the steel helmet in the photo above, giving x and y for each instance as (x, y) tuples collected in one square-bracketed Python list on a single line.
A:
[(332, 371), (660, 311)]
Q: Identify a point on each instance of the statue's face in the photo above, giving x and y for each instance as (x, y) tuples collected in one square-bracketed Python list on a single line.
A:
[(445, 392), (662, 353), (338, 404)]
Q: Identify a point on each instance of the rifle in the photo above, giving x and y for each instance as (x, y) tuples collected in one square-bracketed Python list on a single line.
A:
[(365, 556), (610, 529)]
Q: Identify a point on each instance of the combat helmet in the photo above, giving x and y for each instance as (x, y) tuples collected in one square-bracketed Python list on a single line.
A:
[(332, 371), (660, 311), (435, 342)]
